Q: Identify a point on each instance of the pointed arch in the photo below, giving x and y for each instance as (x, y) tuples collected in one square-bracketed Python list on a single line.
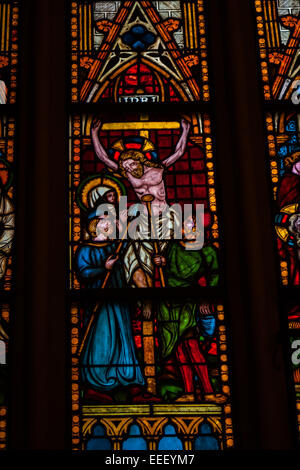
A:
[(119, 49), (162, 77)]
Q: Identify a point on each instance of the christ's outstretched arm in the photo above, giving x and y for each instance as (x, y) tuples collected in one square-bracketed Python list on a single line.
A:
[(99, 149), (181, 145)]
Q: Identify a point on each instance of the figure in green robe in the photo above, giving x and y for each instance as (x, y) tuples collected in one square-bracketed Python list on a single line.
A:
[(177, 320), (183, 269)]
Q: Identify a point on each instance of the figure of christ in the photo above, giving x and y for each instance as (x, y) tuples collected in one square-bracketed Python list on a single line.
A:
[(146, 178)]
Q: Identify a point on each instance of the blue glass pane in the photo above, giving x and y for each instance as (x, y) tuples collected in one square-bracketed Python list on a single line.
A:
[(134, 443), (205, 429), (206, 443), (98, 444), (170, 443), (98, 430)]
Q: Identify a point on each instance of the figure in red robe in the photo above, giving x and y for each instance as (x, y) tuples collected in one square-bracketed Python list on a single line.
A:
[(289, 195)]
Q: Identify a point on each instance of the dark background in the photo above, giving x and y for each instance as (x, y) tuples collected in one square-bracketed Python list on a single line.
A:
[(263, 399)]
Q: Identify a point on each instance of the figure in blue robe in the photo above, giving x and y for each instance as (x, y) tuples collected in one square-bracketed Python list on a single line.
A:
[(108, 359)]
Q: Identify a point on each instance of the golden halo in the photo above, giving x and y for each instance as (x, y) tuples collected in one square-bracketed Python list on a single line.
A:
[(283, 232), (105, 182), (290, 209)]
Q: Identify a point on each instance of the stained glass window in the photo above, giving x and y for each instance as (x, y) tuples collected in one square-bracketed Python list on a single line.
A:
[(169, 366), (150, 344), (7, 233), (7, 221), (9, 16), (284, 150), (7, 218), (190, 179), (294, 336), (147, 51), (278, 24), (150, 372), (4, 377)]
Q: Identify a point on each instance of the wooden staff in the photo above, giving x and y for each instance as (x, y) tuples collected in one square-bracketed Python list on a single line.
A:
[(148, 198), (148, 325), (106, 279)]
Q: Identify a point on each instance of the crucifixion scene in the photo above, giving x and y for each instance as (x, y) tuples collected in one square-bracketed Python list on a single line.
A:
[(152, 165), (158, 351)]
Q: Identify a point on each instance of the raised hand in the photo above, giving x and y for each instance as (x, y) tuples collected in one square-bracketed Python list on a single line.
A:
[(159, 260), (205, 309), (185, 125), (110, 262), (98, 147), (147, 310), (181, 145), (96, 125)]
